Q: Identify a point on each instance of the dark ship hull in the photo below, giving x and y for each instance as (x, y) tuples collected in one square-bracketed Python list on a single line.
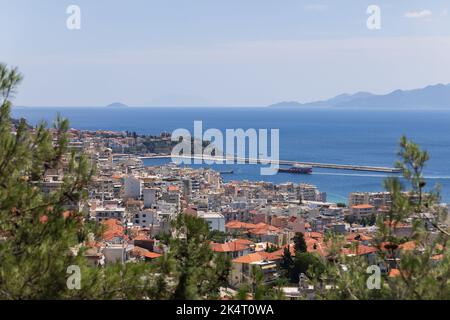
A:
[(297, 170)]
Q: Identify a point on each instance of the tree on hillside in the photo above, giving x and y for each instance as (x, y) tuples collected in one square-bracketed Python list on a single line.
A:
[(287, 263), (257, 289), (36, 237), (299, 242), (306, 263), (41, 240), (198, 272), (422, 272)]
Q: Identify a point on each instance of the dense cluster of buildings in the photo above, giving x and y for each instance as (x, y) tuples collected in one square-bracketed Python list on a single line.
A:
[(136, 203)]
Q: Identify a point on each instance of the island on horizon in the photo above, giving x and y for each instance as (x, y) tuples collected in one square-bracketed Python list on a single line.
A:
[(117, 105)]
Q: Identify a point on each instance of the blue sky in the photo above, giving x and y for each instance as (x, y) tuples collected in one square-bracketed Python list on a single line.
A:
[(221, 52)]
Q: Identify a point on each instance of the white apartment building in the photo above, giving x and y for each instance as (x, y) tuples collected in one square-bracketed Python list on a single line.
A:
[(377, 199), (362, 210), (145, 218), (109, 212), (216, 221)]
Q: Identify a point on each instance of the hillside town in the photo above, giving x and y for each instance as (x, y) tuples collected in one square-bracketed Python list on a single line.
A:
[(254, 222)]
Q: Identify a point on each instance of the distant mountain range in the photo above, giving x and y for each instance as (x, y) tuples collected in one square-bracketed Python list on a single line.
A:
[(435, 96), (117, 105)]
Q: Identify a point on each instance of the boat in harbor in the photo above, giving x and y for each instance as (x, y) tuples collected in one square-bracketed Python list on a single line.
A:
[(297, 169), (227, 172)]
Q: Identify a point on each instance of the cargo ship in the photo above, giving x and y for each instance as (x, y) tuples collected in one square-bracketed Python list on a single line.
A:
[(297, 169)]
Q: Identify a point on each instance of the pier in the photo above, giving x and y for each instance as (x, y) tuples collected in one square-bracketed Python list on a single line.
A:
[(239, 160)]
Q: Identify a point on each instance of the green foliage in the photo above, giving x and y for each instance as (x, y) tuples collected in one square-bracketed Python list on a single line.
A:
[(218, 236), (271, 248), (306, 263), (302, 262), (198, 272), (350, 219), (299, 242), (39, 240), (423, 273), (412, 162), (287, 263), (29, 246), (256, 289), (368, 221)]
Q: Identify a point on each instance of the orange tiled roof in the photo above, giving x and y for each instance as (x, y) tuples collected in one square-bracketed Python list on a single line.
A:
[(397, 273), (190, 211), (141, 252), (252, 257), (359, 250), (437, 257), (394, 273), (260, 228), (363, 206), (278, 255), (316, 235), (264, 230), (113, 228), (244, 241), (263, 255), (408, 246), (232, 246), (142, 237), (316, 246), (239, 225), (358, 237), (267, 226)]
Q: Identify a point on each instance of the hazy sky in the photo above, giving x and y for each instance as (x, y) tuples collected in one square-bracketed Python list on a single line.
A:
[(221, 52)]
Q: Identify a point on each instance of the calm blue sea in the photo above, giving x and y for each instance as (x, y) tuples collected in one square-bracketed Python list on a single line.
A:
[(363, 137)]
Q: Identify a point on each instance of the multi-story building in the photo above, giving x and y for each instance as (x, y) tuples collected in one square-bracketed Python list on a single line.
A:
[(377, 199), (216, 221), (132, 187), (145, 218), (103, 213), (362, 210)]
